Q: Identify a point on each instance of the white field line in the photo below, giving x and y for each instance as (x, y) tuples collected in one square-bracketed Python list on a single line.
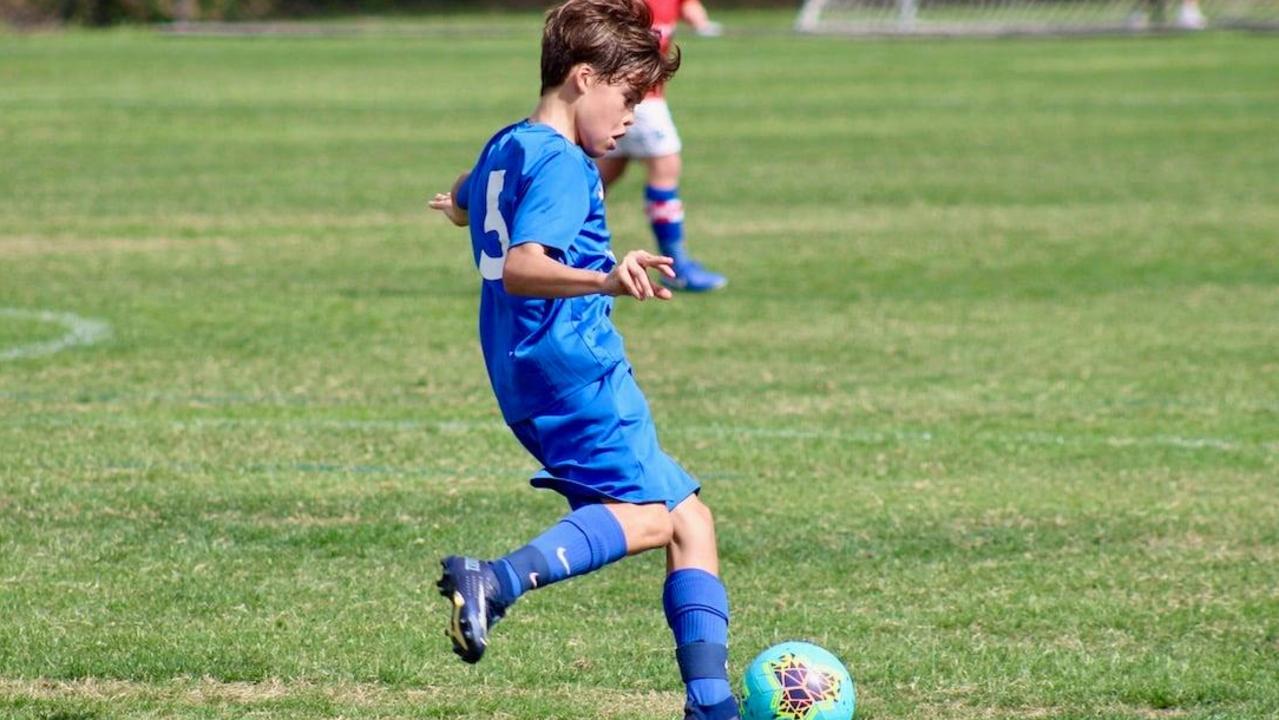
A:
[(80, 331), (715, 430)]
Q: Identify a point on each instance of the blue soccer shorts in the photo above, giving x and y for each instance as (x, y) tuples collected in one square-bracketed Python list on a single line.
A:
[(599, 443)]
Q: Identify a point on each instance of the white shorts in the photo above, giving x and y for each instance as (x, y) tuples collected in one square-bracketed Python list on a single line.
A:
[(652, 135)]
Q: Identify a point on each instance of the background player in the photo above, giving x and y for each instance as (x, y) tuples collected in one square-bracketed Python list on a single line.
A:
[(654, 141)]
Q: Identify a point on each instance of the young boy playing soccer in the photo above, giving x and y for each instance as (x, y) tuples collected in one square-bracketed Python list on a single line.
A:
[(535, 205)]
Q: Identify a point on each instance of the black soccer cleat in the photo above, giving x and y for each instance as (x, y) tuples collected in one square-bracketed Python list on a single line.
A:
[(471, 588)]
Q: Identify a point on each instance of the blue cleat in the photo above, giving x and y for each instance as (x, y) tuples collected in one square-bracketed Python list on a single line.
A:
[(471, 588), (690, 276), (726, 710)]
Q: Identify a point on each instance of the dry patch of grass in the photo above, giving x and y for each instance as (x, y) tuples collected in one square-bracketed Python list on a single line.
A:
[(204, 692), (966, 712)]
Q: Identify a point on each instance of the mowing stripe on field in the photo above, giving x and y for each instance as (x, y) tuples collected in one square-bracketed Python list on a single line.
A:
[(178, 467), (724, 431), (80, 331), (118, 397)]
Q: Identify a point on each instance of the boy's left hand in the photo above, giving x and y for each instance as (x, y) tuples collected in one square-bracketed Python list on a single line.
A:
[(630, 276), (444, 203)]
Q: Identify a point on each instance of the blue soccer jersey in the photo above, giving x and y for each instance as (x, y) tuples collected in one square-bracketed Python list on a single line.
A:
[(531, 184)]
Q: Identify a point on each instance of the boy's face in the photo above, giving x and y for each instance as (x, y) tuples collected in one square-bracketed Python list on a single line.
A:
[(605, 111)]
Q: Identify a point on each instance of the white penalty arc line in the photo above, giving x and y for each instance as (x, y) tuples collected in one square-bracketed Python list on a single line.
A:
[(80, 331)]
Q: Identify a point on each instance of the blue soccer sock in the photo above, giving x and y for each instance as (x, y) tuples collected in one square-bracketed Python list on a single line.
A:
[(696, 607), (666, 216), (584, 540)]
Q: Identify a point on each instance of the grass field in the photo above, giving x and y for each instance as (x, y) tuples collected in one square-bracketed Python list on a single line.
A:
[(990, 408)]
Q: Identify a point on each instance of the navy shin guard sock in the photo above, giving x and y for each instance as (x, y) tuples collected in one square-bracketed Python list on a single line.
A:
[(696, 607), (586, 539), (666, 216)]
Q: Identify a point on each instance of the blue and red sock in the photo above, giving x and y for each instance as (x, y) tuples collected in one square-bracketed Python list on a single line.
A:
[(665, 214)]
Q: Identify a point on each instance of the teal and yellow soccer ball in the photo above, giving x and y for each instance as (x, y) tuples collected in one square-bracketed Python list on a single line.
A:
[(798, 681)]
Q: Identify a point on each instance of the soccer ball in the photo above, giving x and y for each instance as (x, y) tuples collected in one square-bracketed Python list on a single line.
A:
[(798, 681)]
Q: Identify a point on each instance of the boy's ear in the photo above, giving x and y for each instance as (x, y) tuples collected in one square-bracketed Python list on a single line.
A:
[(583, 76)]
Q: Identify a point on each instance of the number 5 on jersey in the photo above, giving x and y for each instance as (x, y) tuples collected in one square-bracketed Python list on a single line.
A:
[(491, 267)]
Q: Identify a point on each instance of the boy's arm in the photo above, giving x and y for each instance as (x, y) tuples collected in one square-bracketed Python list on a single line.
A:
[(450, 203), (530, 272)]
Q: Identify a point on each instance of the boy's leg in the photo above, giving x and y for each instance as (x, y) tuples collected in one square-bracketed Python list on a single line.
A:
[(586, 539), (665, 213), (696, 607)]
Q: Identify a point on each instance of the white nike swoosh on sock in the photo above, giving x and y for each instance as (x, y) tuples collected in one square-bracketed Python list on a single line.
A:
[(562, 554), (532, 579)]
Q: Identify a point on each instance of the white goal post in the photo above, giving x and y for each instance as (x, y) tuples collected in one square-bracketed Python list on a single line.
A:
[(1010, 17)]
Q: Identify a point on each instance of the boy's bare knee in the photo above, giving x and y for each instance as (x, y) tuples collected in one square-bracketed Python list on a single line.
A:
[(692, 522), (692, 514), (693, 542)]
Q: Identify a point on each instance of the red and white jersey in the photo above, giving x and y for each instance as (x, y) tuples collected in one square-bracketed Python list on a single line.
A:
[(665, 18)]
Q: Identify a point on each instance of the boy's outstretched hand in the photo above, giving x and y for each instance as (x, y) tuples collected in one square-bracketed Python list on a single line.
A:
[(444, 203), (630, 276)]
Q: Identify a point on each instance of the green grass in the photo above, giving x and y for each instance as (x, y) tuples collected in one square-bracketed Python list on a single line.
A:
[(990, 409)]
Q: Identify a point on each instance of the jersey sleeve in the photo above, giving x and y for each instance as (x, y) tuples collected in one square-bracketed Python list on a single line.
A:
[(555, 204)]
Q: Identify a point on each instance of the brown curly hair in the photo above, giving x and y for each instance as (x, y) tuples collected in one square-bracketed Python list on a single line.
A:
[(615, 37)]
